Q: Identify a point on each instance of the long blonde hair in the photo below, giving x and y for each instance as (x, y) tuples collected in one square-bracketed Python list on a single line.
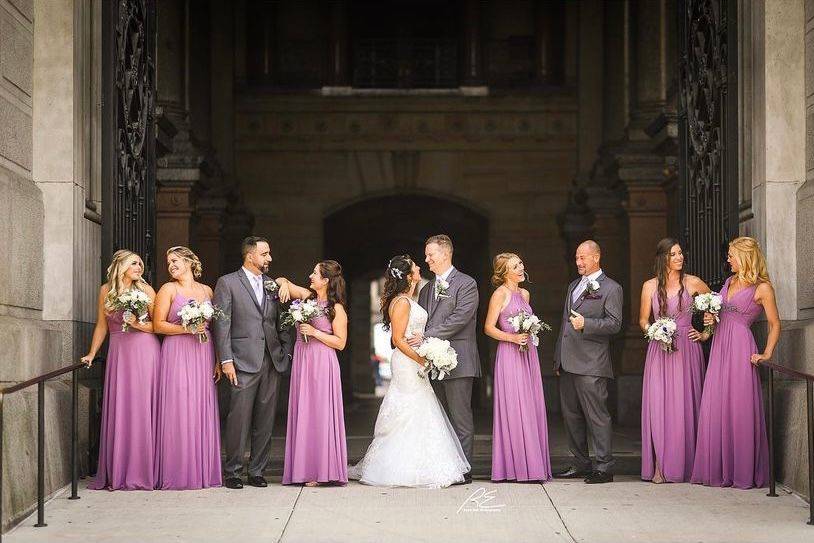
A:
[(119, 264), (751, 262), (500, 267), (186, 253)]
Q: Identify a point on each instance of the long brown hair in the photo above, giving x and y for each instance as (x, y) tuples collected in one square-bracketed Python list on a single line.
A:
[(332, 271), (396, 283), (661, 267)]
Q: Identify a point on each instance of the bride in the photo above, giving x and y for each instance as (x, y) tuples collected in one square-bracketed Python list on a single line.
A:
[(414, 444)]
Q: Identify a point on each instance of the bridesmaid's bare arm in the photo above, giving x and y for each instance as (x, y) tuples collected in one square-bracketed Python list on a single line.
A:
[(696, 286), (290, 291), (163, 301), (339, 338), (764, 295), (497, 303), (645, 306), (100, 330)]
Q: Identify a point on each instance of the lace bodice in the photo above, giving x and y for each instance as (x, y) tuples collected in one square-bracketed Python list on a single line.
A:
[(418, 318)]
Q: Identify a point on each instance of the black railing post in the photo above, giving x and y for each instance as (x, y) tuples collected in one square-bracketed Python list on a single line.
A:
[(770, 417), (810, 409), (40, 455), (2, 398), (74, 435)]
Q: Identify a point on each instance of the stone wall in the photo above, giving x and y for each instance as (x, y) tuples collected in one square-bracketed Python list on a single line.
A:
[(49, 250)]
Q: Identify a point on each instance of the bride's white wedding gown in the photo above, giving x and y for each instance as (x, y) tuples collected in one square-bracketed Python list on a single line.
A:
[(414, 444)]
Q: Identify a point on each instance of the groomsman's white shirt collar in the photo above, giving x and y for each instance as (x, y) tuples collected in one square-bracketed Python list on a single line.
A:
[(445, 275), (256, 281), (583, 283)]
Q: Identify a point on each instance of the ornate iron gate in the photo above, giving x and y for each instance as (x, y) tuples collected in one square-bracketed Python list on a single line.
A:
[(708, 133), (128, 133)]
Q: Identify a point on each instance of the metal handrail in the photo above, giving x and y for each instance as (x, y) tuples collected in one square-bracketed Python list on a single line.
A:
[(809, 379), (40, 382)]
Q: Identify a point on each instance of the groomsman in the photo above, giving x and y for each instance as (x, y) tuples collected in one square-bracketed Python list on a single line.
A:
[(451, 302), (591, 316), (253, 350)]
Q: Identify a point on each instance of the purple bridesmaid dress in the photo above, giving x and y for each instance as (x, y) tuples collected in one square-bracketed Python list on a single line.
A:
[(520, 428), (188, 436), (671, 397), (127, 440), (315, 447), (732, 449)]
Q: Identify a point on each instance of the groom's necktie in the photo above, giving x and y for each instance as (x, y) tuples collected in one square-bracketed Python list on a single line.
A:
[(578, 291), (257, 286)]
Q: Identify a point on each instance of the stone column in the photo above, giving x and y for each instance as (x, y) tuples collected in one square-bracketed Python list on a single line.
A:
[(473, 45), (360, 374), (174, 204), (210, 212)]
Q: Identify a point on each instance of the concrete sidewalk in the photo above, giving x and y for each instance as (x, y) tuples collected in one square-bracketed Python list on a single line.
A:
[(626, 510)]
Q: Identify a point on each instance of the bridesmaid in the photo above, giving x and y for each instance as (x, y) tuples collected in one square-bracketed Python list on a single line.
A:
[(671, 391), (188, 435), (127, 437), (315, 448), (732, 449), (520, 429)]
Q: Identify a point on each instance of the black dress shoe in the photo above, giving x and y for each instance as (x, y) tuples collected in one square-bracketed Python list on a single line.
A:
[(599, 477), (467, 480), (257, 480), (233, 482), (572, 473)]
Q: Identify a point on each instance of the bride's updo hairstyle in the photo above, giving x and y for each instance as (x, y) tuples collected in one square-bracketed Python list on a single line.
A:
[(396, 282)]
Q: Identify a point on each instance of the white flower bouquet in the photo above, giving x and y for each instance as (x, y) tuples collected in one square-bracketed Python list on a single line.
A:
[(524, 322), (710, 302), (663, 331), (301, 312), (193, 314), (133, 303), (441, 358)]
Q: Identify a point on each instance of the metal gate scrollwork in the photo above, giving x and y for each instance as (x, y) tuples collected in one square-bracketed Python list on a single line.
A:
[(708, 133), (128, 160)]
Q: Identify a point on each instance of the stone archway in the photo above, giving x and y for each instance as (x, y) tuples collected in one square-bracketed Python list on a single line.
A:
[(365, 234)]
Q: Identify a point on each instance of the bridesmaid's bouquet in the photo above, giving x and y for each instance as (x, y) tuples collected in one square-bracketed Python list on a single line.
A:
[(441, 358), (526, 323), (710, 302), (194, 313), (302, 312), (663, 331), (133, 303)]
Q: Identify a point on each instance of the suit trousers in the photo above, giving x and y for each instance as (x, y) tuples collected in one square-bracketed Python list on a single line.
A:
[(252, 406), (584, 402), (456, 397)]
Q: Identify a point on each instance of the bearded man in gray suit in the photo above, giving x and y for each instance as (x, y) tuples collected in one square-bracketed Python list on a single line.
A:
[(451, 301), (254, 350), (591, 316)]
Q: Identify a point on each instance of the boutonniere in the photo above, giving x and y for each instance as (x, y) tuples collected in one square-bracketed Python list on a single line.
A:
[(590, 290), (441, 288), (271, 287)]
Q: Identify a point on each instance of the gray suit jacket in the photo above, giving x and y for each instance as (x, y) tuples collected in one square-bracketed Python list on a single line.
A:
[(587, 352), (250, 329), (454, 318)]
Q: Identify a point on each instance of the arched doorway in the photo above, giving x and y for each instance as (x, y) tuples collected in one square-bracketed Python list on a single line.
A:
[(365, 234)]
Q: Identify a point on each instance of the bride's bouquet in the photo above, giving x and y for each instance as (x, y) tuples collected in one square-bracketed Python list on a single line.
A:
[(710, 302), (663, 331), (301, 312), (194, 313), (133, 303), (441, 358), (526, 323)]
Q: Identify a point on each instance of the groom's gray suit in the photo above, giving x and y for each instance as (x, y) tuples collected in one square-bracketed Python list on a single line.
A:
[(584, 362), (253, 338), (453, 317)]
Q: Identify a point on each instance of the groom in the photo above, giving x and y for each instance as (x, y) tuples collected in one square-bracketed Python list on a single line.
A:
[(253, 350), (592, 315), (451, 302)]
